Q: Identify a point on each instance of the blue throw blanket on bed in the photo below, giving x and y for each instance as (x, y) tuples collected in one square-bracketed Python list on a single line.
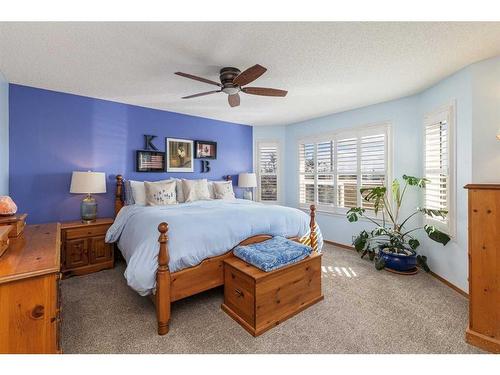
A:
[(273, 254)]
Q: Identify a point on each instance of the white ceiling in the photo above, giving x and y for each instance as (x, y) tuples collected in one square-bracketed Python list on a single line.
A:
[(326, 67)]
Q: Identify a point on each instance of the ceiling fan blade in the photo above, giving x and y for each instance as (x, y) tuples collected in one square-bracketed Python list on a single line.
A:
[(249, 75), (234, 100), (264, 91), (198, 78), (200, 94)]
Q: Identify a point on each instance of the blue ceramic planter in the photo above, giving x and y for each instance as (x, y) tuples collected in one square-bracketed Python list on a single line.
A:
[(398, 262)]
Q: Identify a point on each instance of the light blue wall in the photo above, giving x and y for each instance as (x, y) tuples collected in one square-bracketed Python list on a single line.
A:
[(475, 90), (486, 120), (451, 261), (4, 136)]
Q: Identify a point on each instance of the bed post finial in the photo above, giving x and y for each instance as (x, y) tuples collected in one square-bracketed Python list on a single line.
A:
[(229, 178), (312, 228), (118, 194), (163, 282)]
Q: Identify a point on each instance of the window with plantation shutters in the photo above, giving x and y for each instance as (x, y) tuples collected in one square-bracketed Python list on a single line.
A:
[(268, 171), (438, 151), (333, 168)]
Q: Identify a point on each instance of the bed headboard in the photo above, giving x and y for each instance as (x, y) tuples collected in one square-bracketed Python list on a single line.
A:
[(119, 202)]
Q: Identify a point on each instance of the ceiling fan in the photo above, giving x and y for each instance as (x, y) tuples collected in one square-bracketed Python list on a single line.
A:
[(232, 82)]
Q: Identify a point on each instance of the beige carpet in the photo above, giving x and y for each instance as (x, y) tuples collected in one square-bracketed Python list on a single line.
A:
[(364, 311)]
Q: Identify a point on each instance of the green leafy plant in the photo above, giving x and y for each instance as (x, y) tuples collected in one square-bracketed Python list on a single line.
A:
[(391, 234)]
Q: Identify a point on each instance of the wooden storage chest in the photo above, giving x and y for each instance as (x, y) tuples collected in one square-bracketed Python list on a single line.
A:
[(4, 238), (260, 300), (18, 223)]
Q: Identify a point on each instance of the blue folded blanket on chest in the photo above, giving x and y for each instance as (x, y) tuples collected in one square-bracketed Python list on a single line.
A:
[(274, 253)]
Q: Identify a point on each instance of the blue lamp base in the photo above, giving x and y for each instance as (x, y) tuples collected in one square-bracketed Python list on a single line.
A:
[(88, 210), (247, 194)]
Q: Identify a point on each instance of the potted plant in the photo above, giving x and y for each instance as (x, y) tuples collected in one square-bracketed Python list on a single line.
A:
[(390, 243)]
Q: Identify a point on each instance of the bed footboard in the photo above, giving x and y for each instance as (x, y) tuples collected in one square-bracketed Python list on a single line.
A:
[(163, 296)]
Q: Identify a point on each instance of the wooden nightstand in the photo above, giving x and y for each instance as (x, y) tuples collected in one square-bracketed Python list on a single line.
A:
[(83, 249)]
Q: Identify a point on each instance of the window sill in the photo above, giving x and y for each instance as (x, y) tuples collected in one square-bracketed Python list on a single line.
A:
[(446, 227), (340, 214)]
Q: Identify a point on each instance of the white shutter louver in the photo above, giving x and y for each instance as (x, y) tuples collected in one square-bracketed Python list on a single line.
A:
[(268, 167), (347, 169), (306, 173), (436, 165), (325, 166), (373, 163)]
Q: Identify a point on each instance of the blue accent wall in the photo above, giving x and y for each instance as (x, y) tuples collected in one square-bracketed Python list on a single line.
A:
[(4, 136), (54, 133)]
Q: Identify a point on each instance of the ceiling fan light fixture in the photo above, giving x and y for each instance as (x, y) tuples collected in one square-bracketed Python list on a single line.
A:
[(231, 90), (232, 82)]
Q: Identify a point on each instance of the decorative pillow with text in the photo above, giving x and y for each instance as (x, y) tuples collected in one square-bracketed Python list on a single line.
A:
[(160, 193)]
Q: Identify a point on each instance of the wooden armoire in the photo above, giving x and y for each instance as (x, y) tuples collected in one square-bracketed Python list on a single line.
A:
[(484, 267)]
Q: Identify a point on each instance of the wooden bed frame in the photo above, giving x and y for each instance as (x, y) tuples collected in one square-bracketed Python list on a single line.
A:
[(173, 286)]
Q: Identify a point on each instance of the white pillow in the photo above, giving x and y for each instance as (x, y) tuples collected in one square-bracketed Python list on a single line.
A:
[(195, 190), (224, 190), (160, 193), (211, 188), (139, 191), (178, 190)]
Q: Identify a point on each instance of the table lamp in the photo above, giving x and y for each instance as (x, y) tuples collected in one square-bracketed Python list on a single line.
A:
[(88, 183), (247, 181)]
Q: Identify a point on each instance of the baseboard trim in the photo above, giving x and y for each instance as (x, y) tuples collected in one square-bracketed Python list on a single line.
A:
[(347, 247), (447, 283), (436, 276)]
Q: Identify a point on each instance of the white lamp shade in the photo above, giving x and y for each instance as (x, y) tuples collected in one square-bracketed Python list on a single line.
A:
[(247, 180), (498, 134), (88, 183)]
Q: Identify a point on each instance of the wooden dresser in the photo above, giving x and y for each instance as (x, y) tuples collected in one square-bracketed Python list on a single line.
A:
[(84, 249), (30, 301), (484, 267)]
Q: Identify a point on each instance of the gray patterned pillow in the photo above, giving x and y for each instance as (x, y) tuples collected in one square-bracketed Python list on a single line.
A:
[(128, 196), (160, 193), (178, 190)]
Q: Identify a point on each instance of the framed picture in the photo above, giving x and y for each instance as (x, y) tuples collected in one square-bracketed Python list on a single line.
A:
[(179, 155), (150, 161), (206, 150)]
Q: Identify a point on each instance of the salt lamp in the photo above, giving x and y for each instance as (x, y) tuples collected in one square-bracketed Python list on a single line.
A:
[(7, 206)]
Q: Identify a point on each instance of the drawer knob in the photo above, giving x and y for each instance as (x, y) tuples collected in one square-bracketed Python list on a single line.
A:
[(37, 312), (238, 293)]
